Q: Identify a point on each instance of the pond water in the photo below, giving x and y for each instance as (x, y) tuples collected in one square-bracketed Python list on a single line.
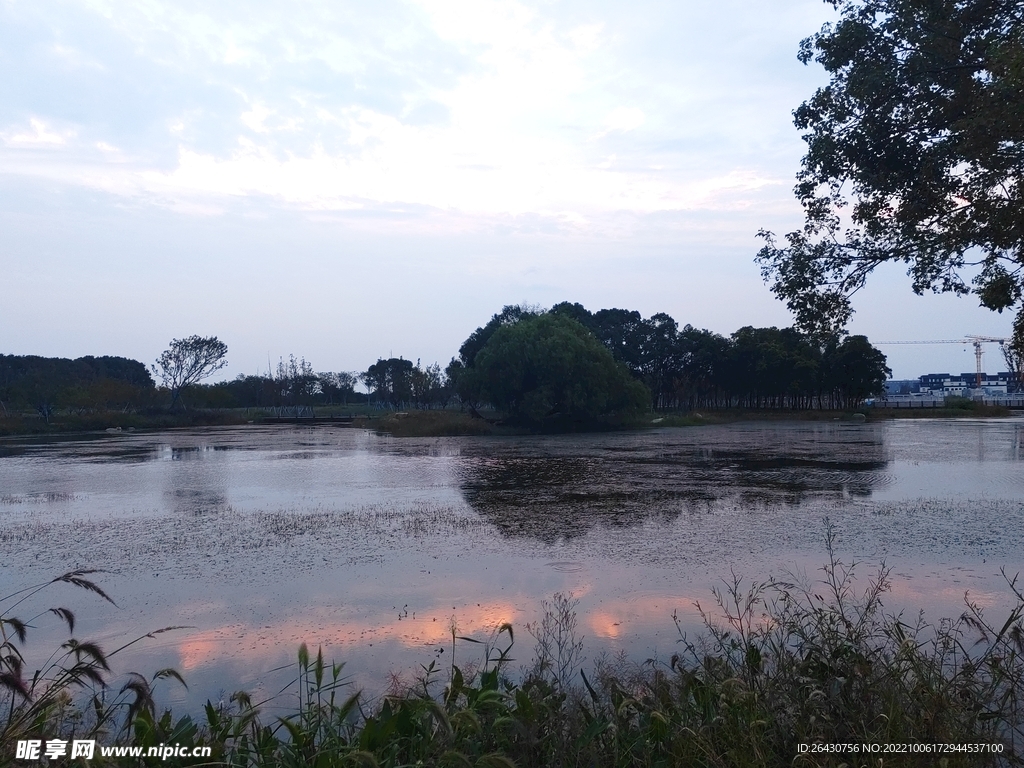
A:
[(256, 539)]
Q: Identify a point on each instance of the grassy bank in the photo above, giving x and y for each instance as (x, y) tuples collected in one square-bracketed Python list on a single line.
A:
[(957, 411), (779, 665), (438, 423), (435, 423)]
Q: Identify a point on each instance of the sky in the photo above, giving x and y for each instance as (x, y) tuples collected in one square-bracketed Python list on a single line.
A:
[(344, 181)]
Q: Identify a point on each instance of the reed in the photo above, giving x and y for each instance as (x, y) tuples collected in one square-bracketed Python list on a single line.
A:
[(70, 694)]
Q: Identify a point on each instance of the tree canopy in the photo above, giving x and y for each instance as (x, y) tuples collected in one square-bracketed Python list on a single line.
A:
[(548, 365), (686, 367), (915, 154)]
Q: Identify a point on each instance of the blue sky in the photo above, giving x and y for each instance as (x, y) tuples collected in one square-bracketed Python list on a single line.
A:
[(344, 181)]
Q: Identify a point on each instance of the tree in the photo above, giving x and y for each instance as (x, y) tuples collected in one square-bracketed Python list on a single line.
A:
[(546, 366), (622, 331), (297, 383), (390, 380), (509, 315), (458, 382), (856, 370), (659, 358), (915, 154), (577, 312), (703, 359), (340, 386), (773, 367), (428, 385), (188, 361)]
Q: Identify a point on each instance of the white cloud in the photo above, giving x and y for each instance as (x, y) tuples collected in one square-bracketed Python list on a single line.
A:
[(75, 58), (587, 38), (541, 147), (255, 118), (623, 120), (512, 140), (37, 134)]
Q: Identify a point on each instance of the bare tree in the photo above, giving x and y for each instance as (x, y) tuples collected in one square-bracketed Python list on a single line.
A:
[(188, 361)]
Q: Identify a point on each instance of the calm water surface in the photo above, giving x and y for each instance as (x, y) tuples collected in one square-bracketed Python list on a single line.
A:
[(257, 539)]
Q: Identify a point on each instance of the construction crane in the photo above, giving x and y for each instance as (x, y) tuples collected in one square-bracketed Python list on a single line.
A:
[(973, 339)]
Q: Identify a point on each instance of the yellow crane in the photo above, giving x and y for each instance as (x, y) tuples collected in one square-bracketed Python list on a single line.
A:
[(973, 339)]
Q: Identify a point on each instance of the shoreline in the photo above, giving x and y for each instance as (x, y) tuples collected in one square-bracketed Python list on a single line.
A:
[(452, 423)]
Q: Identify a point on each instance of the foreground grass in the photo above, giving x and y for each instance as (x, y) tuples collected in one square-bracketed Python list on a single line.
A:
[(778, 665)]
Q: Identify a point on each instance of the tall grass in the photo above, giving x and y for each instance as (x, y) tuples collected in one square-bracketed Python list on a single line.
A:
[(70, 694), (779, 664)]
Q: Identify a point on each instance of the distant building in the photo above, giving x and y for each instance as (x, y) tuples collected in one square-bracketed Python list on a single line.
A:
[(964, 384), (902, 387)]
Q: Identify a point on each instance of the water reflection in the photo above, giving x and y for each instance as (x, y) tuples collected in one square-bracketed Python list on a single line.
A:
[(262, 538), (197, 483), (552, 492)]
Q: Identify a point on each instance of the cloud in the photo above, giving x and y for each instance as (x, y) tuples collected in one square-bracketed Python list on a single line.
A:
[(623, 120), (37, 134), (480, 107), (628, 150)]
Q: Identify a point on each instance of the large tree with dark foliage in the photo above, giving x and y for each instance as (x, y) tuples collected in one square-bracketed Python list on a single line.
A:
[(390, 380), (852, 371), (458, 371), (915, 154), (773, 367), (547, 366)]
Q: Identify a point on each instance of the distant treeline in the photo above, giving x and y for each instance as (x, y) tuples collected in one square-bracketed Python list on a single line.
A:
[(687, 368), (293, 383), (45, 384), (392, 383), (679, 368)]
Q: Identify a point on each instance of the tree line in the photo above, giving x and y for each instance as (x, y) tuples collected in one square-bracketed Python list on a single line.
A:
[(688, 368), (529, 363), (46, 384), (293, 383)]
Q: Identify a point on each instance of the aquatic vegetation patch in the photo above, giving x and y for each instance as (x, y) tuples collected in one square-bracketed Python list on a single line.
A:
[(49, 497), (220, 538)]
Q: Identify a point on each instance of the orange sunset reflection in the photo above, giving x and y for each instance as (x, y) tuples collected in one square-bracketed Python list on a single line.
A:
[(641, 615), (262, 644)]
